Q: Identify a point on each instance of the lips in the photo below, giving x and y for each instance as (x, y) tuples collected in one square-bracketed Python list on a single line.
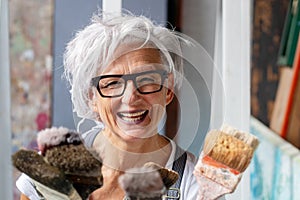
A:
[(133, 117)]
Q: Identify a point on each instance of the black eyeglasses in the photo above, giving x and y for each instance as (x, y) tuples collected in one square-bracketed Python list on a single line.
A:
[(114, 85)]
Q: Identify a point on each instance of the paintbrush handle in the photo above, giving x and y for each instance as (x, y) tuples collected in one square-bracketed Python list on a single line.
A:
[(214, 181)]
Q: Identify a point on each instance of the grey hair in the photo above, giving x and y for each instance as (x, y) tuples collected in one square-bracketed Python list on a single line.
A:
[(94, 47)]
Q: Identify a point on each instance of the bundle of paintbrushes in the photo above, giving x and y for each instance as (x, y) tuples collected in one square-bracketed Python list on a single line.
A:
[(225, 156), (149, 182), (64, 168)]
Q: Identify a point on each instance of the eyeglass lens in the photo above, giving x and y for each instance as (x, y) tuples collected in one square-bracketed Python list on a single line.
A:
[(112, 86)]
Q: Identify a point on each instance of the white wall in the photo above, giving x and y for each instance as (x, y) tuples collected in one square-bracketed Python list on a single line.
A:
[(232, 55), (198, 22), (223, 29)]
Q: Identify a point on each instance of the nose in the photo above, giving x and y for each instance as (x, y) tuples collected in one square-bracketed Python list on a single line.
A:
[(130, 94)]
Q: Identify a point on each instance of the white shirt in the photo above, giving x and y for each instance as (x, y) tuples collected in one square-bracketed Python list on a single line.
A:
[(189, 186)]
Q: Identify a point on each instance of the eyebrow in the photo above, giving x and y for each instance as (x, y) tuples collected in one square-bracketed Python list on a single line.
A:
[(131, 74), (142, 68)]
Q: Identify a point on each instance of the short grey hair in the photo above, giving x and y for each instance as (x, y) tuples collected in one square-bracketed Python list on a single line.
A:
[(93, 48)]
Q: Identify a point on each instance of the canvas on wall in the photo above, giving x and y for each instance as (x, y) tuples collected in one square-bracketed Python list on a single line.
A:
[(274, 169), (30, 40)]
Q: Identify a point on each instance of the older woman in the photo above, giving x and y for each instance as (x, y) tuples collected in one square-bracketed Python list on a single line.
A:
[(123, 71)]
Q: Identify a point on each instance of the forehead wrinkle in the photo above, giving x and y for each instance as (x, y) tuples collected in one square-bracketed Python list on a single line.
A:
[(137, 59)]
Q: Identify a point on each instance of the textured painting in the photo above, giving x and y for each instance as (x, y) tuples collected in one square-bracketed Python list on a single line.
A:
[(275, 169), (30, 31), (296, 175), (31, 68)]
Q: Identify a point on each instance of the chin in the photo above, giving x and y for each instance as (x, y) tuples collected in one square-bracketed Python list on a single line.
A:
[(143, 129), (134, 135)]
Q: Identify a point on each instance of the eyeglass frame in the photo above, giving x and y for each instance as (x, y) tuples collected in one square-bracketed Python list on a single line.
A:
[(95, 81)]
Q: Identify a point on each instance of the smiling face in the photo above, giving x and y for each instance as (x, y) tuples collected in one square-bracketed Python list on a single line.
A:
[(133, 115)]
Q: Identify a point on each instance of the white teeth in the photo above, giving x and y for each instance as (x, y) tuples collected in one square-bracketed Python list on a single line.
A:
[(132, 117), (137, 114)]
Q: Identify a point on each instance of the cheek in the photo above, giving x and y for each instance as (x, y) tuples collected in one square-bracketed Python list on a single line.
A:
[(158, 106), (157, 113), (105, 109), (160, 98)]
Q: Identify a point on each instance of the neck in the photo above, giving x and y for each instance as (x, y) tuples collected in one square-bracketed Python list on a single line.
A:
[(111, 188), (120, 154), (136, 145)]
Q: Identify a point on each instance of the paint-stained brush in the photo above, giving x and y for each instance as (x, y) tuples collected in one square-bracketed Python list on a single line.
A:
[(144, 183), (65, 165), (225, 156), (169, 177)]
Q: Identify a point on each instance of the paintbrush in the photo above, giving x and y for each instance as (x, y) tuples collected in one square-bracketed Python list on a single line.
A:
[(225, 156), (34, 165), (64, 166), (143, 183), (169, 177)]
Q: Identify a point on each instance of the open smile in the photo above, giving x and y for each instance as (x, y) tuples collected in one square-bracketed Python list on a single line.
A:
[(133, 117)]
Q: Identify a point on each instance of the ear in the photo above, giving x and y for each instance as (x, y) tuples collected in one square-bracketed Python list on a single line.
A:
[(94, 107), (170, 89), (170, 96), (93, 99)]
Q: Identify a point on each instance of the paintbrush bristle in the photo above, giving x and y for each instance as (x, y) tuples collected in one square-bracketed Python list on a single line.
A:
[(233, 149), (33, 164), (142, 183), (226, 154), (168, 176), (247, 138), (62, 155)]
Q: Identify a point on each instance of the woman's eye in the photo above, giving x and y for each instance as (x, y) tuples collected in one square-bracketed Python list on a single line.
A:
[(112, 85)]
